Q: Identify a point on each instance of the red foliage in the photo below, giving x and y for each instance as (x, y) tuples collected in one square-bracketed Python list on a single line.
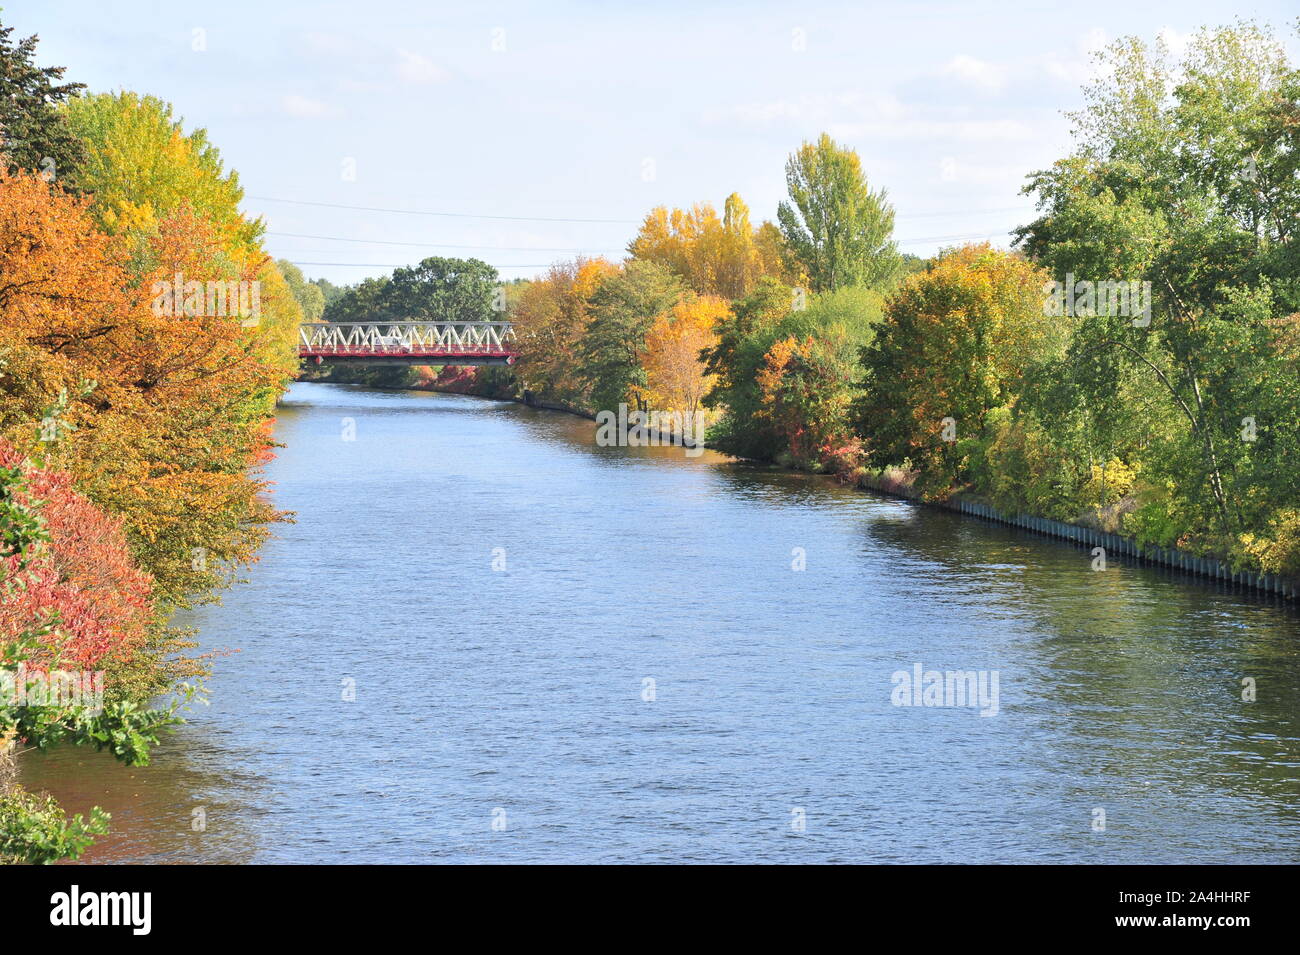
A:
[(85, 572)]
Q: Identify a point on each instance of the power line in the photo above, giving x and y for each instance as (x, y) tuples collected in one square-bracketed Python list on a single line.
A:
[(475, 215), (450, 215), (962, 212), (436, 245), (405, 265)]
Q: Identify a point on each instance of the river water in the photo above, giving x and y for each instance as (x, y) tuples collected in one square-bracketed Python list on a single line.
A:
[(486, 639)]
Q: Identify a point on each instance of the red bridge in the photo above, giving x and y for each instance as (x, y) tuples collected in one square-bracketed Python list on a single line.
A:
[(408, 343)]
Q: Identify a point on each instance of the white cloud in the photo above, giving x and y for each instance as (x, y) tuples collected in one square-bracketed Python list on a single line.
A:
[(414, 68), (980, 74)]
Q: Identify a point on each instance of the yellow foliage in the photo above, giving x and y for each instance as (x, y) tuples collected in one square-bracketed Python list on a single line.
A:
[(1109, 482), (715, 256), (675, 377), (1278, 551)]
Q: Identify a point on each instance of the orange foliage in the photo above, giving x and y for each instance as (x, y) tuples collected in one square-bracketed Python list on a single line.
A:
[(176, 413)]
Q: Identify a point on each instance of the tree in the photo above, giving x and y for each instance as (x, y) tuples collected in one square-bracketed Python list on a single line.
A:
[(623, 308), (443, 290), (82, 573), (838, 324), (951, 348), (367, 301), (329, 291), (550, 317), (157, 415), (733, 364), (35, 829), (1184, 176), (712, 256), (806, 396), (836, 228), (141, 165), (34, 134), (152, 182), (309, 295), (676, 377)]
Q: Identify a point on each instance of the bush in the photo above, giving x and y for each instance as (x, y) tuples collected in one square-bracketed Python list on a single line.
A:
[(35, 829)]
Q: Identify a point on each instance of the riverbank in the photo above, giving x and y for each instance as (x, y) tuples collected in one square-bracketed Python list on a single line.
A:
[(898, 484)]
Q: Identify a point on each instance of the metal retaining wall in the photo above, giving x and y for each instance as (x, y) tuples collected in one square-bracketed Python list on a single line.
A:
[(1285, 587)]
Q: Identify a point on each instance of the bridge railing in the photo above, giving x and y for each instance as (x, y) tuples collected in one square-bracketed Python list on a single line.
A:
[(406, 338)]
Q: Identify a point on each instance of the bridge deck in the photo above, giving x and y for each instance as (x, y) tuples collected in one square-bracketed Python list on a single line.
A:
[(407, 343)]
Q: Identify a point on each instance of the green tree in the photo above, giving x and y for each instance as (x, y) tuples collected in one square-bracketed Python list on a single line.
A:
[(142, 166), (367, 301), (443, 290), (329, 291), (744, 338), (309, 296), (828, 330), (836, 227), (1185, 176), (623, 308), (34, 134)]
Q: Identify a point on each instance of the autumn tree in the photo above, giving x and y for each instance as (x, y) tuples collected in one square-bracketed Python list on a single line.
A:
[(140, 164), (81, 576), (59, 610), (951, 348), (158, 416), (623, 308), (713, 256), (550, 316), (839, 323), (804, 384), (676, 376), (149, 176)]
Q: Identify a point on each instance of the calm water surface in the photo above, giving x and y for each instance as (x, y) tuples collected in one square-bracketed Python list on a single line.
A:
[(517, 694)]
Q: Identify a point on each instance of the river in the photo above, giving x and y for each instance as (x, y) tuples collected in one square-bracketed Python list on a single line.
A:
[(486, 639)]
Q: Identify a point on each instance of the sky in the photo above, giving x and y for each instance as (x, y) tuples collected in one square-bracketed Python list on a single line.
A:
[(524, 134)]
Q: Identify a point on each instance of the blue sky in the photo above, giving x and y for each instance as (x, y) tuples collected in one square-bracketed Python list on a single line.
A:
[(598, 111)]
